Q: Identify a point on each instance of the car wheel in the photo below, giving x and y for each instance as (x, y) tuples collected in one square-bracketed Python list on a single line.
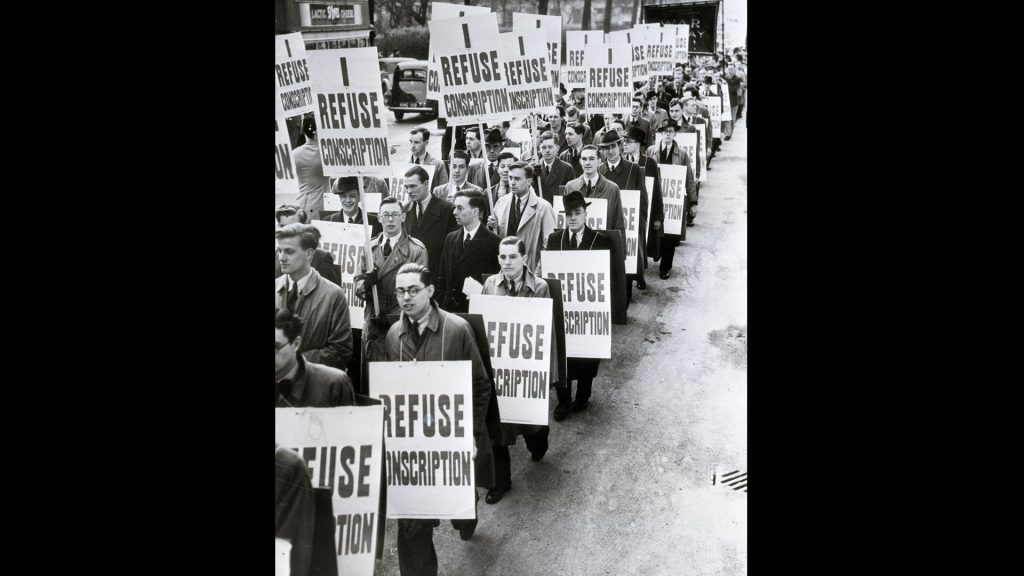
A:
[(399, 115)]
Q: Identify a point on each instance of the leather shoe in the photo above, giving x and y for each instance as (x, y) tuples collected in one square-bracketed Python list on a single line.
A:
[(561, 411), (641, 284), (537, 456), (493, 496), (580, 406), (466, 530), (665, 275)]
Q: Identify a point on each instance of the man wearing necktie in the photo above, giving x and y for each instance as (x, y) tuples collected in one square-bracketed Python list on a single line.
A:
[(326, 331), (469, 252), (428, 219), (676, 156), (571, 155), (494, 143), (522, 213), (351, 213), (553, 171), (418, 138), (459, 164), (578, 236), (628, 175), (593, 185)]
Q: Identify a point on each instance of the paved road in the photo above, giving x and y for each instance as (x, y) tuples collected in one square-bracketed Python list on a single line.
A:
[(625, 488)]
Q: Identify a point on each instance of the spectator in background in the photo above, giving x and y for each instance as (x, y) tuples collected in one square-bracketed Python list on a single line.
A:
[(312, 182)]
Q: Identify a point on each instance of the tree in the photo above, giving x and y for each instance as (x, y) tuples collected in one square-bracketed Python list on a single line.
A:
[(586, 15)]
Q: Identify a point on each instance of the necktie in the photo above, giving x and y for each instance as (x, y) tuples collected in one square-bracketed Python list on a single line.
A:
[(572, 242), (419, 211), (511, 287), (589, 192), (387, 247), (414, 333), (519, 208), (415, 160), (293, 296), (465, 243), (546, 171)]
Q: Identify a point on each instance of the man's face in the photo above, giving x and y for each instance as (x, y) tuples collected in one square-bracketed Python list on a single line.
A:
[(416, 190), (391, 218), (691, 107), (518, 182), (556, 122), (503, 169), (292, 257), (589, 161), (472, 142), (636, 109), (667, 135), (286, 220), (608, 118), (417, 144), (611, 153), (415, 306), (630, 146), (677, 75), (460, 169), (572, 138), (576, 219), (618, 127), (511, 261), (676, 112), (493, 150), (349, 201), (465, 215), (548, 148), (285, 358), (659, 86)]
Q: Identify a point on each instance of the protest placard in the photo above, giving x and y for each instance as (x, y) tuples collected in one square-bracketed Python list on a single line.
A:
[(688, 142), (649, 182), (631, 215), (441, 11), (636, 39), (350, 110), (586, 299), (702, 152), (673, 195), (396, 182), (609, 82), (473, 85), (715, 108), (342, 448), (574, 73), (346, 242), (286, 180), (428, 426), (332, 202), (682, 53), (552, 27), (527, 71), (294, 89), (661, 46), (520, 334), (597, 212), (726, 106)]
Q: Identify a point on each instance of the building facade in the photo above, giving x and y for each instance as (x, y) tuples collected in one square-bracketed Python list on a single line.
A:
[(326, 24)]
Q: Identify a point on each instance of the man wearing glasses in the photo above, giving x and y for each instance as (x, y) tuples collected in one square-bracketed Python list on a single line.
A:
[(391, 249), (427, 333)]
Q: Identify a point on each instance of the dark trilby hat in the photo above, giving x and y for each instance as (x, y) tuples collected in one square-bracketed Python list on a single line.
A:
[(670, 123), (610, 137), (494, 137), (572, 201), (635, 133)]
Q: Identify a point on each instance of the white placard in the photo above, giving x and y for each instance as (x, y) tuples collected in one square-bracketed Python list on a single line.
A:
[(636, 39), (673, 196), (472, 79), (574, 72), (609, 81), (586, 300), (441, 11), (527, 69), (552, 27), (631, 216), (286, 180), (596, 212), (428, 430), (294, 90), (347, 243)]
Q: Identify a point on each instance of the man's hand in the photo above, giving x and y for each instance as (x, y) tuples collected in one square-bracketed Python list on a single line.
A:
[(370, 279), (492, 222), (474, 448), (657, 224)]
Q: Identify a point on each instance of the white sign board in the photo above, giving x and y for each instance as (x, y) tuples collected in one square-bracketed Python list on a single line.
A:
[(609, 82), (286, 180), (342, 448), (575, 72), (441, 11), (586, 299), (631, 215), (428, 430), (346, 242), (350, 111), (661, 46), (673, 196), (636, 39), (294, 90), (520, 335), (552, 27), (472, 79), (527, 71)]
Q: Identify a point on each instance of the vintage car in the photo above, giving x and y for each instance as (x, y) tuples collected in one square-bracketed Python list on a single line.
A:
[(409, 90), (387, 68)]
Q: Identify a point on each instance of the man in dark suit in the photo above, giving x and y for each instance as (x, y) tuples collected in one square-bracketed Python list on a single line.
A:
[(627, 175), (470, 251), (577, 236), (634, 151), (418, 138), (351, 212), (493, 142), (551, 171), (323, 261), (669, 152), (636, 118), (428, 219), (574, 145)]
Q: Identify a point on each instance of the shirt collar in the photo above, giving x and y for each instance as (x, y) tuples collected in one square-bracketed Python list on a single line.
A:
[(425, 201), (394, 241), (429, 322), (302, 281), (614, 166), (471, 231)]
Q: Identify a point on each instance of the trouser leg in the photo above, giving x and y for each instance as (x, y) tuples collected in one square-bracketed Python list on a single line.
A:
[(537, 443), (502, 468), (564, 394), (416, 554), (668, 252), (583, 391)]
